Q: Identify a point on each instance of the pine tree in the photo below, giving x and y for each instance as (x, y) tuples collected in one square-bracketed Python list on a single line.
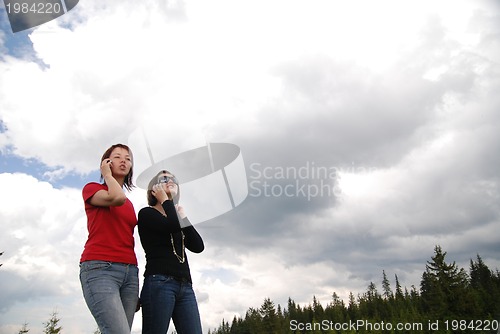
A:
[(372, 293), (484, 288), (444, 288), (369, 303), (317, 308), (336, 311), (386, 286), (399, 290), (51, 326), (293, 312), (283, 320), (352, 308), (253, 320), (24, 329), (269, 316)]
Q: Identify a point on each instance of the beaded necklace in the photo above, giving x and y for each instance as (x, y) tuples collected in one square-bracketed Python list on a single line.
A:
[(182, 258)]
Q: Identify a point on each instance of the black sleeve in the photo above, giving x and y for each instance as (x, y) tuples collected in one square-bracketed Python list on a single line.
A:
[(171, 212), (194, 242), (153, 220)]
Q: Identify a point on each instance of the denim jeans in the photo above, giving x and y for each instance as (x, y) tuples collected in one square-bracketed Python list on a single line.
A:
[(111, 291), (164, 298)]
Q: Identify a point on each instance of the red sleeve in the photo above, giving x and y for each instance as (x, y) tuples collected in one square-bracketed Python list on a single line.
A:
[(90, 189)]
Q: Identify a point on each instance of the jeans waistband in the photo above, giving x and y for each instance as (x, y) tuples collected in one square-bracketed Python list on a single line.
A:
[(181, 279), (175, 278), (124, 264), (110, 262)]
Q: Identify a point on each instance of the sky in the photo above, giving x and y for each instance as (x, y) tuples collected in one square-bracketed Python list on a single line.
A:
[(368, 131)]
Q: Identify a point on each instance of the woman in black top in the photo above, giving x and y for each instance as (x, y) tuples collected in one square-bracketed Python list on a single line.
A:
[(165, 233)]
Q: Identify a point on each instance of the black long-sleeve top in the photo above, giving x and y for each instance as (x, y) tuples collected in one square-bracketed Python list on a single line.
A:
[(155, 230)]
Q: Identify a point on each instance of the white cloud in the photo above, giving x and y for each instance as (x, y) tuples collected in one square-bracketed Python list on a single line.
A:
[(44, 231), (42, 227), (256, 276)]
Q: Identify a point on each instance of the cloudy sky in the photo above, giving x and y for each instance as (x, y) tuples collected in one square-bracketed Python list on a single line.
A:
[(369, 132)]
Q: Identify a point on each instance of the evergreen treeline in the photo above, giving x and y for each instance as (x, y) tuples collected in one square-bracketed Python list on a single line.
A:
[(449, 300), (50, 327)]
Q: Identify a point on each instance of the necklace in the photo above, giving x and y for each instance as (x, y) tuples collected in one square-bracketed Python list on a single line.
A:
[(182, 258)]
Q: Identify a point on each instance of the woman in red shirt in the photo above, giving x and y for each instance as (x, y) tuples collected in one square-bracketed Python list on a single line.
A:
[(108, 265)]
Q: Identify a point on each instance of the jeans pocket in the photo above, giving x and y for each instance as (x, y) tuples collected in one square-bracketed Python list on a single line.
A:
[(94, 265), (161, 279)]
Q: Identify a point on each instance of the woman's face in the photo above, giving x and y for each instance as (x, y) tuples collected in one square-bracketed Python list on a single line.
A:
[(121, 161), (169, 183)]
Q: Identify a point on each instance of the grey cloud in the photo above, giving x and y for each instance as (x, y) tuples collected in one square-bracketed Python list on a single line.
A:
[(334, 114)]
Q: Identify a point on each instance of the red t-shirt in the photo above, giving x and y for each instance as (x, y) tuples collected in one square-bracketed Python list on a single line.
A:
[(111, 229)]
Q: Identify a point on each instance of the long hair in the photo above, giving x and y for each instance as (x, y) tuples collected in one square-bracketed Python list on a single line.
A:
[(151, 199), (128, 178)]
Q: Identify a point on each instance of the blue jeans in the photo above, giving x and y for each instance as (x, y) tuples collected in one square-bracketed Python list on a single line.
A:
[(164, 298), (111, 291)]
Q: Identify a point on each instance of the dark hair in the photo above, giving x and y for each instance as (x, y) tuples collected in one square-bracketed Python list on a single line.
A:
[(128, 178), (151, 199)]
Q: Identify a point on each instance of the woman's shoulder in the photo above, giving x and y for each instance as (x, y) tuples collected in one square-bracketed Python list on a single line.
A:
[(94, 185), (91, 188), (147, 210)]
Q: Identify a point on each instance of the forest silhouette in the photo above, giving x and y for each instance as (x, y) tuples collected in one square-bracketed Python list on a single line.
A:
[(449, 300)]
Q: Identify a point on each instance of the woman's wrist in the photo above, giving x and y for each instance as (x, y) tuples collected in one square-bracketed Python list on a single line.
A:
[(108, 176)]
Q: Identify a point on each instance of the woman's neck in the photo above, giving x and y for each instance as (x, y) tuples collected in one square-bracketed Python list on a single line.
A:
[(120, 180), (160, 209)]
